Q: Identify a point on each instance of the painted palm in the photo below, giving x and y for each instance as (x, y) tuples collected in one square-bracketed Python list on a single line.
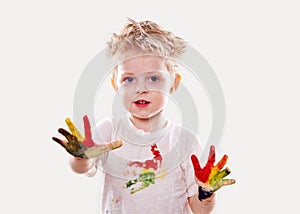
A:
[(211, 177), (83, 146)]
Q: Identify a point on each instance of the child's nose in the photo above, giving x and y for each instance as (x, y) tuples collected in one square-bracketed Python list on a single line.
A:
[(141, 87)]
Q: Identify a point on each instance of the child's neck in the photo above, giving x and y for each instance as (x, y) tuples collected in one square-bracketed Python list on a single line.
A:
[(150, 124)]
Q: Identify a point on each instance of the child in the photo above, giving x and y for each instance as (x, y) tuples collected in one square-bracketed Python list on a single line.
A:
[(152, 171)]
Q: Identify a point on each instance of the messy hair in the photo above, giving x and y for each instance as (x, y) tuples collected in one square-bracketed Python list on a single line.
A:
[(145, 37)]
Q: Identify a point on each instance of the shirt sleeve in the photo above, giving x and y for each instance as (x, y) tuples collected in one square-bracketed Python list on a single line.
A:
[(102, 131)]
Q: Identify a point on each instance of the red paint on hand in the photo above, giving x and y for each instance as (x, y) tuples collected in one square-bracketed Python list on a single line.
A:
[(210, 175), (222, 162), (202, 174), (88, 141)]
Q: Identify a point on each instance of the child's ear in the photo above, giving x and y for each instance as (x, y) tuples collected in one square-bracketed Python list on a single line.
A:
[(176, 83), (113, 83)]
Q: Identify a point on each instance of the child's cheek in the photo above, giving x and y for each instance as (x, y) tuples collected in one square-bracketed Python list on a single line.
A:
[(127, 90), (162, 87)]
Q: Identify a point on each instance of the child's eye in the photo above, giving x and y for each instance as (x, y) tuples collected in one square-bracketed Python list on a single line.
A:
[(153, 78), (128, 79)]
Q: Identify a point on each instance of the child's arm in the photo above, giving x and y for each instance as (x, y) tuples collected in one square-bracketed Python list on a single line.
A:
[(202, 207), (81, 165)]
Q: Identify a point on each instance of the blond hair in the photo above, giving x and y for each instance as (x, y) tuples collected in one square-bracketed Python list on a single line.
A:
[(145, 37)]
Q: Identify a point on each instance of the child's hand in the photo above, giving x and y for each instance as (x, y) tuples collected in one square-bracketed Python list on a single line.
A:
[(211, 178), (83, 147)]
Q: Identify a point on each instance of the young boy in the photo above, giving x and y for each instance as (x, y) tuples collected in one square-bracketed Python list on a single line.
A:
[(152, 172)]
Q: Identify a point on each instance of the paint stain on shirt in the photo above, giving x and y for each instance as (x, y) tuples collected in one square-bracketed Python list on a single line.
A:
[(147, 175)]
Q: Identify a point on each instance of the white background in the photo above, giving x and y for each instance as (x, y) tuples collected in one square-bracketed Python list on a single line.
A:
[(253, 46)]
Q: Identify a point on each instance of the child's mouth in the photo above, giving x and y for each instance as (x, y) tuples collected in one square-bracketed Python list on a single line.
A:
[(141, 103)]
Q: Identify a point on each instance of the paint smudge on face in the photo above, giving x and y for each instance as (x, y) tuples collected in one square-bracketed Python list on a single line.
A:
[(154, 163)]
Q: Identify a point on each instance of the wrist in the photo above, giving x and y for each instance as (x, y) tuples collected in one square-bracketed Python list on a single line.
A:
[(80, 165), (204, 193)]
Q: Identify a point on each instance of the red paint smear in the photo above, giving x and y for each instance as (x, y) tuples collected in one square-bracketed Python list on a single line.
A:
[(222, 162), (203, 174), (88, 141), (152, 163)]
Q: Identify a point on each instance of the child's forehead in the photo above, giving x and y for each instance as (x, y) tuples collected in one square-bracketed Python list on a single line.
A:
[(143, 63)]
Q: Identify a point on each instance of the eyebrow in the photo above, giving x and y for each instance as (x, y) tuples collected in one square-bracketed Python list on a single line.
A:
[(127, 73), (150, 72)]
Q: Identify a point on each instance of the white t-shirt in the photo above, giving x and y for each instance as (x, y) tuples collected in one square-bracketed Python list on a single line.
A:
[(174, 174)]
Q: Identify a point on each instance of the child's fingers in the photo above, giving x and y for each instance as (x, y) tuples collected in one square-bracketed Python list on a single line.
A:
[(59, 141), (207, 169), (67, 134), (100, 149), (96, 151), (222, 162), (211, 158), (197, 168), (212, 150), (87, 127), (217, 181), (223, 173), (67, 148), (115, 144), (74, 130), (227, 182), (72, 143), (196, 163), (88, 141)]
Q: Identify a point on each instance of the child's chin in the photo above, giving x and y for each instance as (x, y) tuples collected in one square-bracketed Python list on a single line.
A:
[(146, 116), (142, 117)]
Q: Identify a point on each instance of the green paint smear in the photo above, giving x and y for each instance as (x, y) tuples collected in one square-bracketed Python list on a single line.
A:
[(145, 179)]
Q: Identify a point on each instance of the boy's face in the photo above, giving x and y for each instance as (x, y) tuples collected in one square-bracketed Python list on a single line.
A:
[(144, 84)]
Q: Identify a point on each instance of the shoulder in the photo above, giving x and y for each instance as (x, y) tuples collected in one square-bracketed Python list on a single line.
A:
[(103, 129), (111, 122), (185, 139), (109, 127), (182, 132), (104, 123)]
